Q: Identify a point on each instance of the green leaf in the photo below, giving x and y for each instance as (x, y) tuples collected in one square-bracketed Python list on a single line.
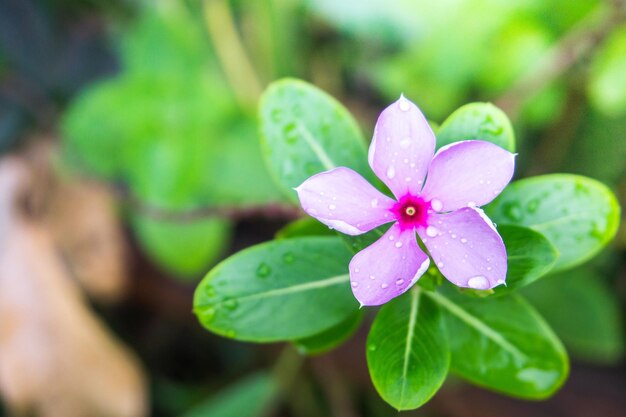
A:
[(503, 344), (477, 121), (331, 338), (183, 248), (249, 397), (584, 312), (607, 84), (360, 242), (306, 226), (530, 256), (407, 350), (577, 214), (281, 290), (305, 131)]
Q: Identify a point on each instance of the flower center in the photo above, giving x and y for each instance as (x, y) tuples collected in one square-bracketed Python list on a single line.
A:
[(411, 212)]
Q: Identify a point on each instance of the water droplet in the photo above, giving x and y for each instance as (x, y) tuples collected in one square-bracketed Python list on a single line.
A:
[(311, 211), (432, 231), (391, 237), (357, 270), (388, 139), (398, 244), (332, 206), (291, 133), (391, 172), (489, 268), (399, 281), (440, 264), (354, 284), (374, 203), (404, 104), (209, 290), (372, 277), (437, 205), (276, 115), (453, 236), (512, 210), (532, 205), (407, 179), (463, 240), (371, 347), (478, 282), (383, 285), (405, 143), (231, 333), (263, 271), (208, 315), (231, 303), (288, 257), (405, 160)]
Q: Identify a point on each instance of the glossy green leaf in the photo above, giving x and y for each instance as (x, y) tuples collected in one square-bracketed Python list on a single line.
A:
[(360, 242), (503, 344), (331, 338), (306, 226), (584, 312), (282, 290), (305, 131), (477, 121), (407, 350), (249, 397), (577, 214), (530, 256), (183, 248)]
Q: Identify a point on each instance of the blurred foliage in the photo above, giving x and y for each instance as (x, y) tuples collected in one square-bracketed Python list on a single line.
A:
[(180, 141)]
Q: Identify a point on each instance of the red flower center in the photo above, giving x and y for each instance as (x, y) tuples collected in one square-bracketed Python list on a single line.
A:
[(411, 212)]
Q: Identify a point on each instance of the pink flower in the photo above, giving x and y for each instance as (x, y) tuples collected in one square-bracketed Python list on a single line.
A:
[(437, 197)]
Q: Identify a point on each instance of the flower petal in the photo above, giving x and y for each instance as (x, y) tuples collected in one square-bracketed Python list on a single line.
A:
[(402, 148), (388, 267), (467, 248), (344, 200), (467, 173)]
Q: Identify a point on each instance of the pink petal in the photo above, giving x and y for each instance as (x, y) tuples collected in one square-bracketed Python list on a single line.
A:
[(388, 267), (344, 200), (466, 248), (402, 148), (468, 173)]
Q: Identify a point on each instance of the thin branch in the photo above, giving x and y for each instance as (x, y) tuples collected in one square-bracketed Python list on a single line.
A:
[(231, 52), (280, 211), (572, 48)]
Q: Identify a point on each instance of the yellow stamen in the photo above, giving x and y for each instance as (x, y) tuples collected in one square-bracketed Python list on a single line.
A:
[(410, 211)]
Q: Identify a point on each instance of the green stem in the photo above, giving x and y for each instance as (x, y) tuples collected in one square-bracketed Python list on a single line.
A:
[(231, 53)]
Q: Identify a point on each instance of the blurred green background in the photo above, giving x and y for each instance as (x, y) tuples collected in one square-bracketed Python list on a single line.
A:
[(154, 104)]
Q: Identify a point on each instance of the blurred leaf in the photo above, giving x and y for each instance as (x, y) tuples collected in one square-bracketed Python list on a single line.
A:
[(331, 338), (607, 84), (584, 312), (249, 397), (306, 226), (407, 351), (359, 242), (183, 248), (577, 214), (530, 256), (501, 343), (305, 131), (477, 121), (281, 290)]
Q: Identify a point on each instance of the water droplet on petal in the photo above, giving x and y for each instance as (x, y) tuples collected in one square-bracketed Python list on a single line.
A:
[(374, 203), (398, 244), (463, 240), (405, 160), (478, 282), (432, 231), (440, 264), (405, 143), (354, 284), (372, 277), (437, 205), (383, 285), (332, 206), (489, 268), (453, 236), (391, 172), (391, 237), (404, 104), (399, 282)]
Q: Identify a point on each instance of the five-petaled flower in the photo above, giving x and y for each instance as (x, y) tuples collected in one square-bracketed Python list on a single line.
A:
[(437, 196)]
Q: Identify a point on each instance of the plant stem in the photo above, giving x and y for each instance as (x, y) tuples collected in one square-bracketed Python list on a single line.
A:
[(574, 46), (231, 53)]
